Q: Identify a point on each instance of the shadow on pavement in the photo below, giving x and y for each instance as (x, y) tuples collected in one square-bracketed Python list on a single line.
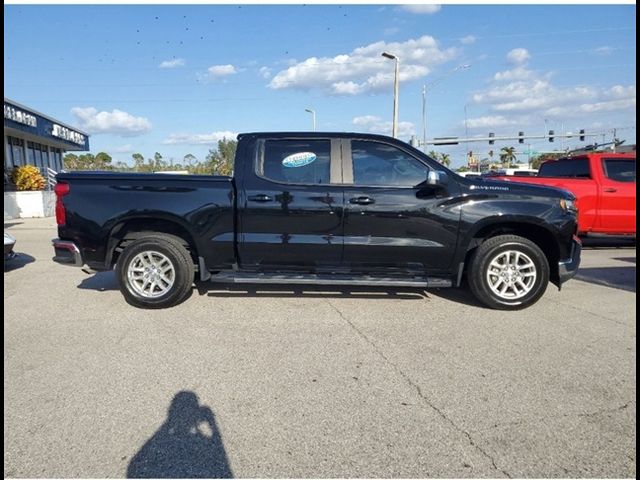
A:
[(626, 259), (460, 295), (12, 224), (623, 278), (19, 261), (187, 445), (309, 291), (100, 282), (605, 242)]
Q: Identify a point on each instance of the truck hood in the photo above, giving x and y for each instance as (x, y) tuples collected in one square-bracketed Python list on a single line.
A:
[(516, 188)]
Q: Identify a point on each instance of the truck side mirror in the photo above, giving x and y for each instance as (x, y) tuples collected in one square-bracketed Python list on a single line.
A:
[(434, 177)]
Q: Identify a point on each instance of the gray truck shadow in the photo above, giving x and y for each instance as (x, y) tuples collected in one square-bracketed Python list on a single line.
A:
[(623, 278)]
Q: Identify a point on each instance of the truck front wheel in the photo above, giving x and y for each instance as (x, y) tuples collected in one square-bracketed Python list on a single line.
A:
[(508, 272), (155, 272)]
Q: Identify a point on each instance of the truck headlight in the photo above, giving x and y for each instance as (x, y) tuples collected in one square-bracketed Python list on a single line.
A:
[(569, 205)]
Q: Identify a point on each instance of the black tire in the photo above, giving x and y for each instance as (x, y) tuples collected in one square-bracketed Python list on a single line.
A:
[(492, 249), (174, 251)]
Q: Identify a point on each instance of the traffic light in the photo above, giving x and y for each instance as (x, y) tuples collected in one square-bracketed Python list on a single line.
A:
[(521, 135), (551, 135), (491, 135), (582, 135)]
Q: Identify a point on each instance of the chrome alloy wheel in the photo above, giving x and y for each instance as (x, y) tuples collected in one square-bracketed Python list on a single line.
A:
[(511, 275), (151, 274)]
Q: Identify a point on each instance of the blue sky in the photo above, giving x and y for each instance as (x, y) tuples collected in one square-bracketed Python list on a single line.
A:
[(174, 79)]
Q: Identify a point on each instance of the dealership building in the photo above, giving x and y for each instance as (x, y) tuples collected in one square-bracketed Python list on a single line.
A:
[(32, 138)]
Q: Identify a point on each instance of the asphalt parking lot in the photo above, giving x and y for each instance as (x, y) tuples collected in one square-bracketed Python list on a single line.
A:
[(278, 382)]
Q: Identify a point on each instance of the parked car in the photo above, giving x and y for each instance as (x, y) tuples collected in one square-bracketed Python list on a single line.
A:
[(9, 243), (318, 208), (470, 174), (604, 185), (512, 172)]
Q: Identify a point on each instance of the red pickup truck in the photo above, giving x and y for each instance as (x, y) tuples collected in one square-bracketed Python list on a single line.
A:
[(604, 185)]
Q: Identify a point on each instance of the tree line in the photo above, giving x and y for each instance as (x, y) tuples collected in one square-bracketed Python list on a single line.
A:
[(218, 161)]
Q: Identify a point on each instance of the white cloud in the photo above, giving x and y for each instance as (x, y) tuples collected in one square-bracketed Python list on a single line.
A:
[(490, 121), (517, 73), (374, 124), (619, 91), (199, 138), (115, 122), (604, 106), (468, 40), (363, 70), (422, 8), (518, 56), (387, 32), (603, 51), (173, 63), (265, 72), (517, 94), (217, 71)]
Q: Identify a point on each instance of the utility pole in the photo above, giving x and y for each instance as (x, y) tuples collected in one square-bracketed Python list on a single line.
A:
[(424, 100)]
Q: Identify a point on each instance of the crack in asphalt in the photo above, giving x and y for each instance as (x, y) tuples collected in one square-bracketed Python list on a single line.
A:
[(424, 398), (582, 310), (602, 411)]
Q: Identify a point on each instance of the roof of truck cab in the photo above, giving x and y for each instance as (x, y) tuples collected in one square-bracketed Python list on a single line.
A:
[(317, 135)]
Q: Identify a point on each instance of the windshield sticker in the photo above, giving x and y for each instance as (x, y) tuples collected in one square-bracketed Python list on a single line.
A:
[(299, 159)]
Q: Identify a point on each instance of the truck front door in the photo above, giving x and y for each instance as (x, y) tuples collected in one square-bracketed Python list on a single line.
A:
[(618, 201), (290, 205), (394, 220)]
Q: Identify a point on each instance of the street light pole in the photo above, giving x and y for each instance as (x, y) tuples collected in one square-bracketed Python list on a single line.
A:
[(396, 91), (313, 117), (424, 118)]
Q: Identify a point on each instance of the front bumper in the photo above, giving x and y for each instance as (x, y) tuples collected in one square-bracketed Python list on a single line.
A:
[(9, 243), (568, 268), (67, 253)]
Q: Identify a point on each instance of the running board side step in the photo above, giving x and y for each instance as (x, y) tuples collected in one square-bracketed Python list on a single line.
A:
[(330, 279)]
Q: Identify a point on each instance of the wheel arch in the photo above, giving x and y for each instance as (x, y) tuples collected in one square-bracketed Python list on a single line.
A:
[(539, 234), (130, 229)]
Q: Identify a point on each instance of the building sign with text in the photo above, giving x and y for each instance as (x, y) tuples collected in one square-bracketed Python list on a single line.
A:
[(17, 117)]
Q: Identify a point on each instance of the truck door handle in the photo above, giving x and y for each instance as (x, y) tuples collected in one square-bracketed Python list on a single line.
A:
[(260, 198), (362, 200), (610, 190)]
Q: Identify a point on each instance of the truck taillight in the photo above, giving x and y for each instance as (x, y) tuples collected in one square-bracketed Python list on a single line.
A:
[(61, 189)]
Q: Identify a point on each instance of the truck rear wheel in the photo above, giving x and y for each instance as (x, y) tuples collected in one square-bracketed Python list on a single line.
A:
[(508, 272), (155, 271)]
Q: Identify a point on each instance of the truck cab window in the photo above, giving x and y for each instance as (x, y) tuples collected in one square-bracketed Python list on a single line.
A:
[(296, 161), (378, 164), (566, 168), (620, 170)]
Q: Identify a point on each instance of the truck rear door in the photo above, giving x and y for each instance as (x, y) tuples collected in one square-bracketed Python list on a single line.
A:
[(290, 205)]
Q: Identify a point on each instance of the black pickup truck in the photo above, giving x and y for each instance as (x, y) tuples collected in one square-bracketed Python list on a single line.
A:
[(318, 208)]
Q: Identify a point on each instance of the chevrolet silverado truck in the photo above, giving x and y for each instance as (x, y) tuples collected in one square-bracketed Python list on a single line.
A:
[(604, 185), (318, 208)]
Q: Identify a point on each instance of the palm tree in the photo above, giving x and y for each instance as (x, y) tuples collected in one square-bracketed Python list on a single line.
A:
[(445, 159), (435, 155), (507, 155)]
